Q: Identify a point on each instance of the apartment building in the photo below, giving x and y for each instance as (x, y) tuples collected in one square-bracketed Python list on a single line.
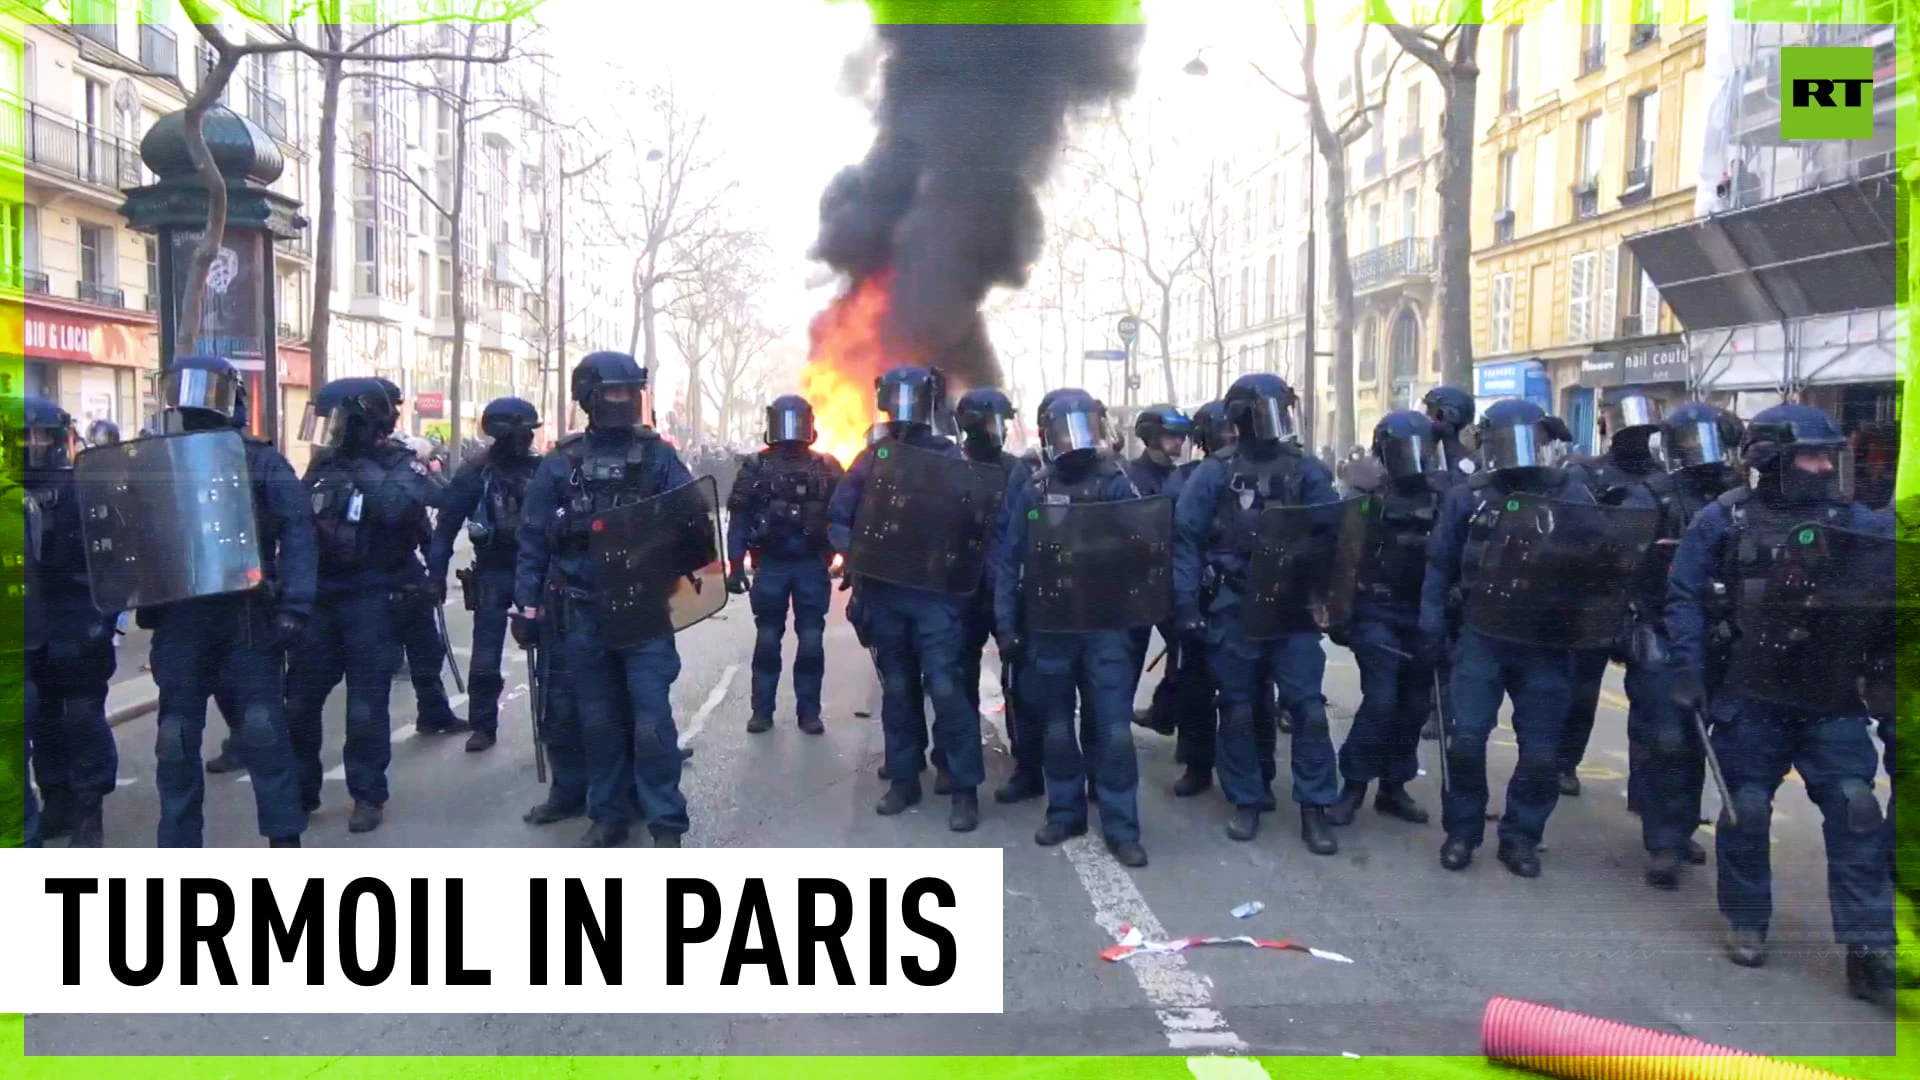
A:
[(1786, 282), (1591, 130), (76, 98)]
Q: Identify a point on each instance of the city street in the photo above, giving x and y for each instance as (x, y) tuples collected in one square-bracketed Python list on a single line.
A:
[(1429, 947)]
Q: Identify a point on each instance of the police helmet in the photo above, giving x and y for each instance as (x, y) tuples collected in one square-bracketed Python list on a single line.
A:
[(908, 395), (1450, 408), (1261, 406), (1158, 421), (1698, 434), (790, 420), (611, 388), (985, 415), (1075, 423), (201, 385), (1405, 443), (48, 441), (344, 406), (1211, 429), (103, 433), (1517, 434), (1800, 449), (510, 421)]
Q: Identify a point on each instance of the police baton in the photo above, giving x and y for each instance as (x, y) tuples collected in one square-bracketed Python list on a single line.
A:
[(537, 707), (1699, 712), (446, 647), (1446, 778)]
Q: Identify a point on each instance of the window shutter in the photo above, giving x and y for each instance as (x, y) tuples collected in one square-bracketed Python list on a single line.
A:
[(1607, 325)]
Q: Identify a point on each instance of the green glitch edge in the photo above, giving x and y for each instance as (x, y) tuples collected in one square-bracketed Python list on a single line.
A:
[(1904, 1064)]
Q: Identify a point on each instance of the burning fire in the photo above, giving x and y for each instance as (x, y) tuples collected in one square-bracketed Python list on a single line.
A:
[(843, 360)]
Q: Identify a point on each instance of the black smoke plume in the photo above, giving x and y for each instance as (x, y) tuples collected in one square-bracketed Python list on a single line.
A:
[(970, 124)]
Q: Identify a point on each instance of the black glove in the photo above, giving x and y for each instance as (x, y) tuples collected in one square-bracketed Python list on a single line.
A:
[(525, 629), (1686, 689), (846, 581), (288, 626), (1339, 636), (146, 618), (1191, 626), (737, 580), (1011, 645)]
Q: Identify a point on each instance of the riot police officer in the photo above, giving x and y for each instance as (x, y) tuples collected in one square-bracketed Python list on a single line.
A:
[(918, 628), (1395, 686), (235, 642), (1183, 704), (1789, 699), (1163, 431), (74, 756), (622, 695), (33, 622), (1214, 528), (416, 607), (778, 511), (103, 433), (1092, 666), (1452, 411), (487, 495), (1521, 448), (370, 498)]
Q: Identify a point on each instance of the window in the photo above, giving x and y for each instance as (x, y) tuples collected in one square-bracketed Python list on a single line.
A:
[(1373, 226), (1649, 303), (1587, 168), (1273, 287), (96, 255), (365, 264), (1403, 346), (1306, 183), (1247, 218), (1643, 116), (1369, 350), (1225, 229), (13, 220), (1504, 181), (1270, 356), (30, 237), (1501, 324), (1273, 201), (1581, 290), (1409, 214), (153, 272), (1246, 296), (421, 284), (1546, 161), (1510, 70), (1300, 278), (1593, 36), (1410, 123)]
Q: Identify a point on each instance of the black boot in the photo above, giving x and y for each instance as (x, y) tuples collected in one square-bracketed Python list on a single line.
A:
[(1748, 948), (1128, 853), (1696, 854), (1522, 860), (942, 783), (666, 840), (603, 836), (1569, 784), (1245, 823), (1020, 787), (965, 814), (1193, 782), (811, 725), (57, 811), (1344, 807), (1315, 830), (225, 762), (88, 829), (1053, 832), (1394, 802), (758, 723), (284, 841), (1663, 870), (481, 740), (1870, 975), (549, 812), (1456, 854), (899, 796), (365, 817)]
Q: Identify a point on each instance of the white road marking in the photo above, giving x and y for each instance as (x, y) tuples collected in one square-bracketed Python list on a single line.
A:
[(718, 694), (1179, 996), (338, 772), (125, 781)]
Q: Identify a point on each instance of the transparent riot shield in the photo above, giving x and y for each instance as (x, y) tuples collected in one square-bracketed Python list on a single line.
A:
[(1817, 628), (657, 564), (1557, 573), (167, 518), (21, 627), (1305, 561), (924, 519), (1099, 566)]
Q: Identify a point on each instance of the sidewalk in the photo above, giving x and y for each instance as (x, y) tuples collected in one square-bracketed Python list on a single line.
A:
[(132, 692)]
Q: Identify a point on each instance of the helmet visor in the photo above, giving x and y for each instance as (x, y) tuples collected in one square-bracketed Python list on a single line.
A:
[(49, 447), (194, 388), (1272, 419), (1074, 429), (1407, 456), (1825, 469), (1518, 447), (908, 403), (1689, 445), (616, 405), (789, 425), (1631, 410)]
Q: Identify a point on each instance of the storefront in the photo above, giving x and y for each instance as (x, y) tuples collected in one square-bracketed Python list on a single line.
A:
[(97, 368), (1656, 365), (1525, 379)]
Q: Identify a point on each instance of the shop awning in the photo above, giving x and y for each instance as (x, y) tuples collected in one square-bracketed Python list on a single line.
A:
[(1819, 252)]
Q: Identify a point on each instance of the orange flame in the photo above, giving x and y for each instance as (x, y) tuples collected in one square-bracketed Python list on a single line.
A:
[(844, 359)]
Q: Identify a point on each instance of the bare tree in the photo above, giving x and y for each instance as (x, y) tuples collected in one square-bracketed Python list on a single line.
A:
[(1453, 57), (1333, 139), (712, 317), (1204, 225), (738, 367)]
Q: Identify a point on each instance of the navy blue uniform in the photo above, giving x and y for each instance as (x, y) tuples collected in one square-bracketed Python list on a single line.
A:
[(778, 511), (230, 645), (489, 492), (33, 635), (1758, 742), (622, 697), (1486, 670), (1096, 670), (1212, 531), (916, 632), (74, 757), (980, 625), (1396, 688), (370, 520)]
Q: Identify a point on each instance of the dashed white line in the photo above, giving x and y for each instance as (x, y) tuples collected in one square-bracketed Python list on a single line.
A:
[(714, 697)]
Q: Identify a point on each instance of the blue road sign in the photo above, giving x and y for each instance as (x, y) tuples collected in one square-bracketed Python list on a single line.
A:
[(1106, 354)]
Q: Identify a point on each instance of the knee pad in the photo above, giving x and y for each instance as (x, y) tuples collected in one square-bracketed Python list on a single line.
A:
[(940, 687), (1863, 807), (1237, 719), (1670, 739), (812, 653), (1754, 804), (898, 684), (256, 727), (170, 742)]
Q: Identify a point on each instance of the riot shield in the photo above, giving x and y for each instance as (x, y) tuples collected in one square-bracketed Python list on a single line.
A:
[(924, 519), (167, 518), (657, 565), (1099, 566), (21, 626), (1816, 633), (1557, 573), (1305, 560)]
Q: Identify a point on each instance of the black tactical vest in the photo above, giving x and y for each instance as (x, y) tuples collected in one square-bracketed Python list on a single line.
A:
[(1251, 487), (346, 541), (597, 483), (792, 495), (1759, 531), (1396, 565), (1052, 489), (503, 496)]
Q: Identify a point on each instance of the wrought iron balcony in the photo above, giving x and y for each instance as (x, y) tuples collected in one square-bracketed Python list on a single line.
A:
[(36, 281), (153, 301), (1376, 164), (1410, 144), (92, 292), (1586, 200), (1644, 34), (1502, 226), (67, 147), (289, 333), (1412, 257), (1637, 184), (159, 50), (107, 34), (1593, 58)]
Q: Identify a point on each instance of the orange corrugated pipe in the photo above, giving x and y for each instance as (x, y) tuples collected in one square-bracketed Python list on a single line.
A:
[(1574, 1046)]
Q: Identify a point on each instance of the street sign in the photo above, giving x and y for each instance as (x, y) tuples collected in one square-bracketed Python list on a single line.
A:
[(430, 404), (1115, 355), (1129, 328)]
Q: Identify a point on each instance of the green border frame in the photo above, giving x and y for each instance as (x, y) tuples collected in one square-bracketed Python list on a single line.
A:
[(1904, 1064)]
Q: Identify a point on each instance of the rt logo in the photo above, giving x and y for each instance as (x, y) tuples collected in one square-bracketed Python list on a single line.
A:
[(1829, 93)]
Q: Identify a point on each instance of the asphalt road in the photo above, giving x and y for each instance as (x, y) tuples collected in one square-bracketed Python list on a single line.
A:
[(1429, 947)]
